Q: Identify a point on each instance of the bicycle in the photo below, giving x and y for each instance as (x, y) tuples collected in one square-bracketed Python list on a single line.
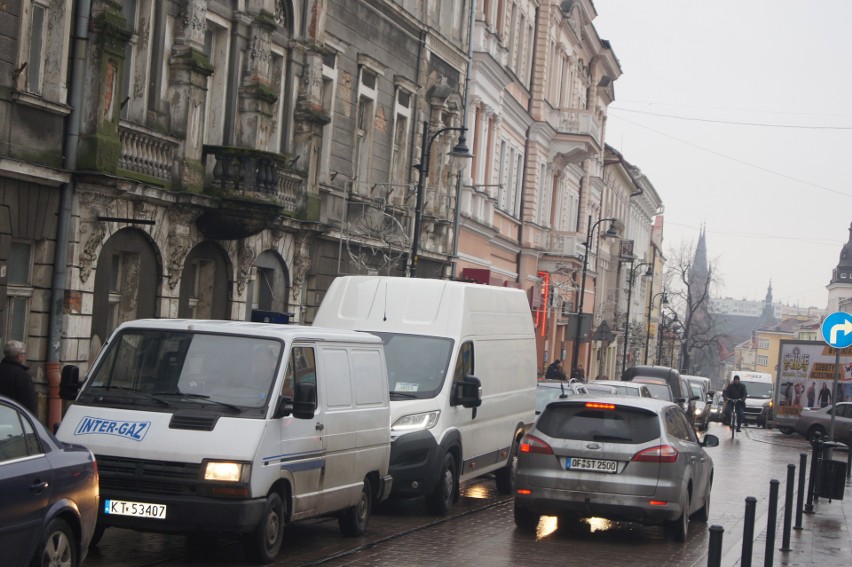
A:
[(734, 419)]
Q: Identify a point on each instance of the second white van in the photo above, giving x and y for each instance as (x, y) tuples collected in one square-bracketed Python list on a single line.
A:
[(462, 369)]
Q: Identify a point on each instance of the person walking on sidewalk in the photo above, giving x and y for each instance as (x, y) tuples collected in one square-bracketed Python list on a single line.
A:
[(15, 381)]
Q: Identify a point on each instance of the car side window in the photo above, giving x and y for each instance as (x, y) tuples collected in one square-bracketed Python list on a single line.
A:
[(676, 425), (464, 363), (13, 442), (301, 367)]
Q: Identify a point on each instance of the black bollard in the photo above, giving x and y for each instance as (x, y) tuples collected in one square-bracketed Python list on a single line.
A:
[(748, 531), (809, 507), (788, 507), (770, 522), (714, 553), (800, 497)]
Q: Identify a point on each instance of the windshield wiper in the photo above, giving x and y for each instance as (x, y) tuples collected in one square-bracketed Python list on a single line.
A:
[(134, 393), (406, 395), (203, 397)]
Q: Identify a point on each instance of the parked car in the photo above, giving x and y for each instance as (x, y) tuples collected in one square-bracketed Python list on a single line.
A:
[(551, 390), (48, 493), (623, 458), (625, 388), (813, 421)]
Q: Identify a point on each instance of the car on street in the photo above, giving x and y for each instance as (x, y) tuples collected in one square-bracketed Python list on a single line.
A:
[(717, 405), (48, 493), (701, 413), (813, 421), (551, 390), (625, 388), (623, 458)]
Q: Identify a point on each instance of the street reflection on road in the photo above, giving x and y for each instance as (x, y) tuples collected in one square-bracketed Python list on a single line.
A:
[(546, 526), (599, 524), (477, 491)]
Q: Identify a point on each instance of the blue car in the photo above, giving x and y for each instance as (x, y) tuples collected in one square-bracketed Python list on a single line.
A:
[(48, 493)]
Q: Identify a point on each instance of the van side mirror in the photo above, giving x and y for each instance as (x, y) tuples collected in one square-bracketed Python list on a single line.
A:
[(305, 400), (467, 392), (69, 382), (283, 407)]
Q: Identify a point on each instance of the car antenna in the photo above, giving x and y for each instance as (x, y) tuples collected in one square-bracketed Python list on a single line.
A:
[(563, 395)]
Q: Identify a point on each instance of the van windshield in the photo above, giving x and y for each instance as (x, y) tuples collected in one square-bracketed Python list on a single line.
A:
[(417, 365), (758, 389), (170, 369)]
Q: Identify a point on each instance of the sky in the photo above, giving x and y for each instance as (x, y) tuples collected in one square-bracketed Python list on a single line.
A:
[(739, 112)]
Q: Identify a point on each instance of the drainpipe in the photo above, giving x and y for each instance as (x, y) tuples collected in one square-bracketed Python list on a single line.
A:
[(60, 255)]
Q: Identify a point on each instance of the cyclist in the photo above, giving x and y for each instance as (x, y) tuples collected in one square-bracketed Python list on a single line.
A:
[(736, 391)]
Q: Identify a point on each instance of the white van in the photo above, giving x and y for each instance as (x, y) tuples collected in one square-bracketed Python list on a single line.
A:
[(758, 405), (224, 426), (462, 368)]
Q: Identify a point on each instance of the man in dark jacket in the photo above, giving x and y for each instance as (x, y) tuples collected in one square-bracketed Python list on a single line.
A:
[(736, 391), (15, 381), (554, 371)]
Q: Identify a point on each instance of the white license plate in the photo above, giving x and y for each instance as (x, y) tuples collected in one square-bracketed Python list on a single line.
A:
[(575, 463), (138, 509)]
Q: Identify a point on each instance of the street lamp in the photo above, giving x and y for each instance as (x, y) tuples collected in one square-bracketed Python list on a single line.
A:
[(460, 151), (630, 283), (664, 301), (611, 232), (671, 325)]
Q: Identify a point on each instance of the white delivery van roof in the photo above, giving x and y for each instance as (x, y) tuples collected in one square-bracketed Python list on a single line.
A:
[(270, 330), (425, 307)]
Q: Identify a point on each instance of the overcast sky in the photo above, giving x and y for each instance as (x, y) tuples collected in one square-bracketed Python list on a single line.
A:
[(776, 195)]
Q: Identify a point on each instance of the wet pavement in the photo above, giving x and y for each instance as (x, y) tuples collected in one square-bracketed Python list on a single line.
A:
[(481, 531)]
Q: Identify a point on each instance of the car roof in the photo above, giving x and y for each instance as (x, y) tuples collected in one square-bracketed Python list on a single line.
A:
[(636, 385), (551, 383)]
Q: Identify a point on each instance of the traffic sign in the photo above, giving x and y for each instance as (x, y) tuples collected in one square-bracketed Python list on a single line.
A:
[(837, 329)]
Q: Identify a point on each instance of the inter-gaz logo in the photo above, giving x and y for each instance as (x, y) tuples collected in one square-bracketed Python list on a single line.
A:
[(135, 430)]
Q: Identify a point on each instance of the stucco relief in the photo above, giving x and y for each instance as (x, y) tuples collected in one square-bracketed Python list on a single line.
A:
[(301, 262), (245, 259), (89, 254), (179, 247), (194, 20), (260, 54)]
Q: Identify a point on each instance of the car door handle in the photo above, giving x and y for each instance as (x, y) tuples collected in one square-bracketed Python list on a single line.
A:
[(38, 486), (319, 426)]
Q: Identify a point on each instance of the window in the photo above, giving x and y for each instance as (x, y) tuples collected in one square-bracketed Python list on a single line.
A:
[(301, 367), (328, 94), (216, 47), (464, 363), (763, 344), (364, 124), (338, 380), (19, 291), (762, 360), (128, 10), (201, 274), (402, 113), (13, 444), (35, 61)]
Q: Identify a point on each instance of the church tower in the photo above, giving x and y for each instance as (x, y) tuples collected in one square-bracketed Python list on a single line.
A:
[(840, 286)]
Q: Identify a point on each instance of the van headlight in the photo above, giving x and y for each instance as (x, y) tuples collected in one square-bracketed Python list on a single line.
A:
[(416, 422), (227, 471)]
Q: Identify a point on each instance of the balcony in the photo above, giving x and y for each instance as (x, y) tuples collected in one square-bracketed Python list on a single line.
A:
[(254, 187), (578, 134), (146, 153)]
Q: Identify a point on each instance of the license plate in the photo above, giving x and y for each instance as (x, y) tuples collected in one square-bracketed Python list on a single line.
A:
[(575, 463), (137, 509)]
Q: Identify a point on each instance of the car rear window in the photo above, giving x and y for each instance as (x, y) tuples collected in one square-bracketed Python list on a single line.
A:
[(620, 425)]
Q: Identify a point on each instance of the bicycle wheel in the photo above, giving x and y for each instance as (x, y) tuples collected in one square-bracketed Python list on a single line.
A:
[(733, 422)]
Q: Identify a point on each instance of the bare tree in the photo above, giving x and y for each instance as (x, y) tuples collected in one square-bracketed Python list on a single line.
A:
[(688, 289)]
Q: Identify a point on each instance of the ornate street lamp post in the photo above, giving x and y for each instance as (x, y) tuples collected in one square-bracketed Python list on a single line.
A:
[(664, 301), (630, 283), (611, 232), (460, 152)]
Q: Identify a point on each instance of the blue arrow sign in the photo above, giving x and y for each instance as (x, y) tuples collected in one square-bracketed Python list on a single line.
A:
[(837, 329)]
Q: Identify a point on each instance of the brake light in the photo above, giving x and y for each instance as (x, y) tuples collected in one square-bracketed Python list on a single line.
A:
[(658, 503), (531, 444), (658, 454), (598, 405), (524, 491)]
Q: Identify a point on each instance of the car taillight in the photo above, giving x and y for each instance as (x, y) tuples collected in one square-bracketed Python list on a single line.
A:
[(598, 405), (658, 454), (531, 444)]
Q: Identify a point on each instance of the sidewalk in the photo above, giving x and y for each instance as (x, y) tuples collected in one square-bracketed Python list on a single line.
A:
[(825, 538)]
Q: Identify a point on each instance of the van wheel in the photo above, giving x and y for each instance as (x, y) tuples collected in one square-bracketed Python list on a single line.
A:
[(441, 499), (264, 542), (57, 546), (505, 477), (353, 522)]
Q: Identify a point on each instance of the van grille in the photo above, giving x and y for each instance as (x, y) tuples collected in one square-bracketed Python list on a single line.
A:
[(137, 475), (193, 422)]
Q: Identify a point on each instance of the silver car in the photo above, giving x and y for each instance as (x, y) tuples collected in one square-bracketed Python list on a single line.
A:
[(551, 390), (625, 388), (618, 457), (811, 422)]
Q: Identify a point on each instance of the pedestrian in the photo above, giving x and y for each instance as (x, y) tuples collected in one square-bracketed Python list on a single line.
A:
[(555, 371), (15, 381), (824, 395), (811, 394), (579, 373)]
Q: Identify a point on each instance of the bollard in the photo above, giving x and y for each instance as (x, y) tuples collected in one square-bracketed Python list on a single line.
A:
[(788, 508), (800, 497), (809, 507), (714, 553), (748, 531), (770, 522)]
